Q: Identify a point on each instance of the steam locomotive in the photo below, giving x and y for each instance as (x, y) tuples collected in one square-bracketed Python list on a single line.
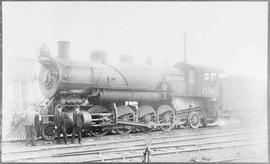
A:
[(126, 96)]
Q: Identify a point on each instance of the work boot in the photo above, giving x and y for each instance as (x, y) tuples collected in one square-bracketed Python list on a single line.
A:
[(33, 143)]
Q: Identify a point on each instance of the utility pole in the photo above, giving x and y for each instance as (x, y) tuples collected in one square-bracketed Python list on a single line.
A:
[(185, 50)]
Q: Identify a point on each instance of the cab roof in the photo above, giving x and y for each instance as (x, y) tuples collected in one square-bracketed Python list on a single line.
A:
[(185, 66)]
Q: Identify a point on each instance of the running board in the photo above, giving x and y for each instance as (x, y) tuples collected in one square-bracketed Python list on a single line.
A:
[(133, 123), (154, 125)]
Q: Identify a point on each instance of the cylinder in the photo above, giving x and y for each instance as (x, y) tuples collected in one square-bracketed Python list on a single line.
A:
[(63, 49), (87, 119)]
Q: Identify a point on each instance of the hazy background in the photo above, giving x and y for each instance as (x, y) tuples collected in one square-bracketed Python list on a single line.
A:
[(229, 35)]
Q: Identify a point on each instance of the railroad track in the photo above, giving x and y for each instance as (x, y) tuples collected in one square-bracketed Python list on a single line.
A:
[(250, 156), (139, 137), (167, 152), (141, 146), (214, 126), (136, 152), (198, 132), (134, 145)]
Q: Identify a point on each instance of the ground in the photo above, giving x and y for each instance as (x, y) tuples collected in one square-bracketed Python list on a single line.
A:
[(229, 142)]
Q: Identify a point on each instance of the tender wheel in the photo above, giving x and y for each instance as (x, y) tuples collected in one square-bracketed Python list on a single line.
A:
[(48, 131), (146, 114), (194, 119), (166, 115), (98, 131), (125, 113)]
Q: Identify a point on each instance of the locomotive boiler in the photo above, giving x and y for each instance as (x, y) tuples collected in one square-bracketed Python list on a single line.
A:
[(126, 96)]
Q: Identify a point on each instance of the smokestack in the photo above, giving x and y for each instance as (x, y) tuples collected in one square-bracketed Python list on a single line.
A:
[(63, 49)]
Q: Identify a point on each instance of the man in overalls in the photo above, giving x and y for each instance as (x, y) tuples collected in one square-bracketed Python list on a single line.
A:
[(29, 125)]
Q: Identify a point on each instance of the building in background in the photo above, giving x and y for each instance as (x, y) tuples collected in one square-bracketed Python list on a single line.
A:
[(244, 97), (20, 89)]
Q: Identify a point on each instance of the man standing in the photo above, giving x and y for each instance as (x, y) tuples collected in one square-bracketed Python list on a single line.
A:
[(78, 120), (60, 122), (37, 119), (29, 125)]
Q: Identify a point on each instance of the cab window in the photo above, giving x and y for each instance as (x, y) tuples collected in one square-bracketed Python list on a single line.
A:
[(207, 76), (213, 76), (210, 76)]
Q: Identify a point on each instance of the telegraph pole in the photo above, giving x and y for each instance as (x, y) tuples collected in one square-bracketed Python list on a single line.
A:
[(185, 51)]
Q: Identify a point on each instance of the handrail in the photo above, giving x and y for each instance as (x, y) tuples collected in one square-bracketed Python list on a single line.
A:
[(46, 106), (39, 103), (119, 73)]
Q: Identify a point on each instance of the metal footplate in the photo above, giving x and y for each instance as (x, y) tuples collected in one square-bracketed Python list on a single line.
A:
[(150, 125)]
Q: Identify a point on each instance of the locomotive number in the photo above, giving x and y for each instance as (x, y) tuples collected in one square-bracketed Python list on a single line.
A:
[(207, 91)]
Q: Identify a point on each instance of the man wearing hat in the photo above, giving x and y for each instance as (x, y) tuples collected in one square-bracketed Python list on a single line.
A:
[(29, 125), (78, 120), (60, 122)]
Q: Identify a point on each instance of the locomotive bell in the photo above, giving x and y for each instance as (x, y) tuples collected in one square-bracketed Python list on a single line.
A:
[(43, 51), (63, 49)]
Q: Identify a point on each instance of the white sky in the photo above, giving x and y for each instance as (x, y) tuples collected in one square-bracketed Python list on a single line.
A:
[(229, 35)]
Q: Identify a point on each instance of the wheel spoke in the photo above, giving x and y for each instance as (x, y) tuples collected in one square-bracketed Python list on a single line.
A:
[(162, 121), (130, 117), (194, 119), (47, 131), (166, 115), (146, 114), (126, 114), (98, 131)]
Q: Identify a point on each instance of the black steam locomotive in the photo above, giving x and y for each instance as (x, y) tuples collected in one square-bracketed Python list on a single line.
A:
[(126, 96)]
